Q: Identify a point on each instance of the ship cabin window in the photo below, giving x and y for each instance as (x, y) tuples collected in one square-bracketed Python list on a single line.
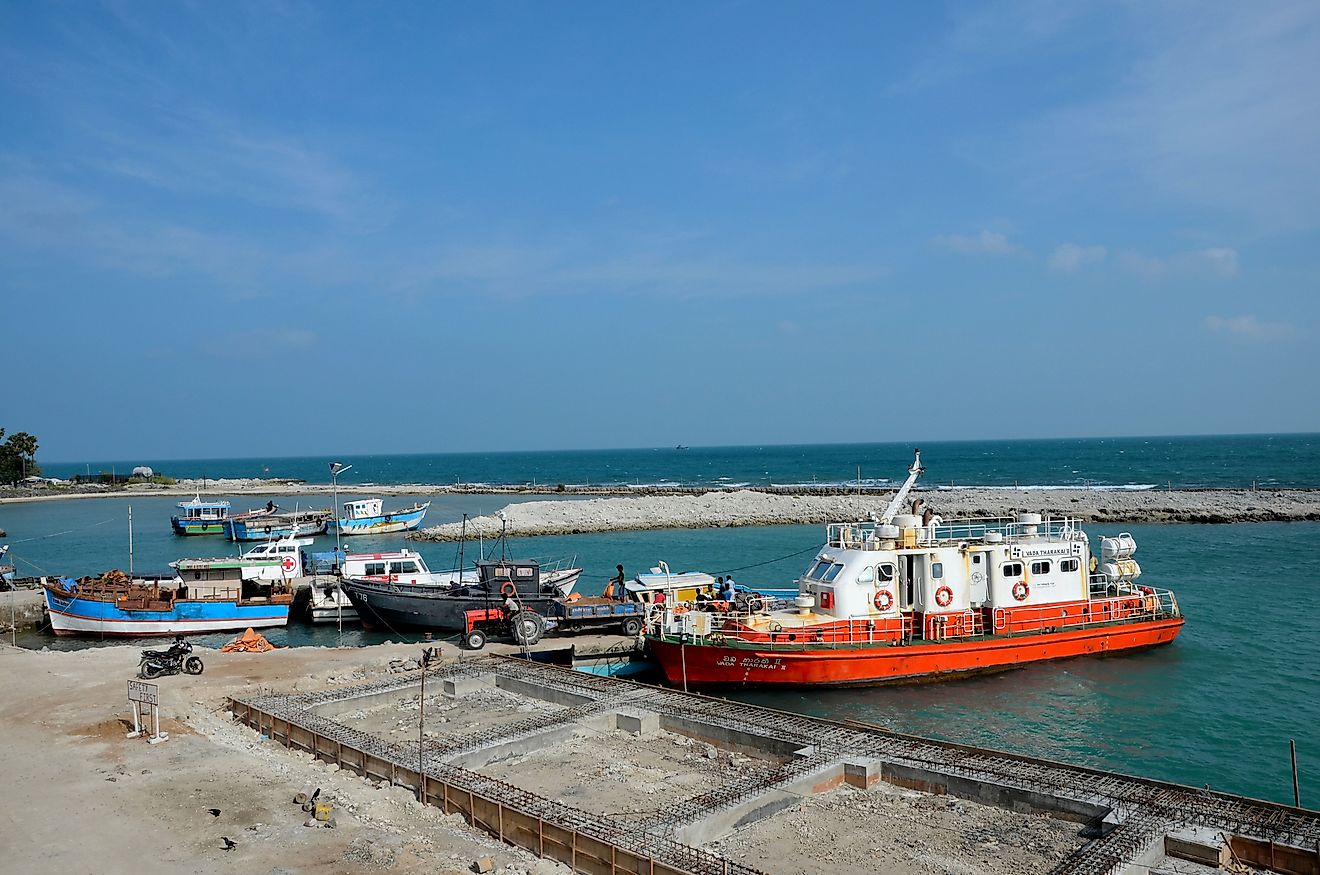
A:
[(886, 571), (1068, 566), (1011, 569), (867, 575), (936, 570), (403, 567), (825, 570), (1040, 566), (375, 569), (523, 571)]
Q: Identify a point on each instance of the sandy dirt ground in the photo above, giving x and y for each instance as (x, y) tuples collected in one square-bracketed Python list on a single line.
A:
[(914, 834), (618, 774), (81, 798), (479, 710)]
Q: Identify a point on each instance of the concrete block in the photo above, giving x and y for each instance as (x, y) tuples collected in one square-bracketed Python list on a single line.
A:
[(457, 688), (863, 774), (638, 723), (1198, 845)]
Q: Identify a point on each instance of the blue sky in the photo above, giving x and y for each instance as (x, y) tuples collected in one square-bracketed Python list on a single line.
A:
[(233, 229)]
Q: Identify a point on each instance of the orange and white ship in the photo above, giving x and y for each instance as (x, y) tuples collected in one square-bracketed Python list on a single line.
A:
[(909, 597)]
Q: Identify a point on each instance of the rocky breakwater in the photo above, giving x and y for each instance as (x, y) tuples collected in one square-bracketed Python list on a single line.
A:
[(751, 508)]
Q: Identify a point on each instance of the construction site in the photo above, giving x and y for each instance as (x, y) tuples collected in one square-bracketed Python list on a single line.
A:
[(606, 776)]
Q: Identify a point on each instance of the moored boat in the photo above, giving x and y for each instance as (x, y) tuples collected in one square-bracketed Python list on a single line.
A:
[(118, 605), (197, 517), (262, 526), (367, 516), (908, 597), (276, 560), (328, 603), (391, 600)]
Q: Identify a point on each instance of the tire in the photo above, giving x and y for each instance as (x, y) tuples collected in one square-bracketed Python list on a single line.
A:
[(528, 627), (631, 627), (152, 670), (476, 639), (193, 665)]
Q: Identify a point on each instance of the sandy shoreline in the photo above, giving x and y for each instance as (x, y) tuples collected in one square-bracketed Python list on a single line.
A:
[(748, 508)]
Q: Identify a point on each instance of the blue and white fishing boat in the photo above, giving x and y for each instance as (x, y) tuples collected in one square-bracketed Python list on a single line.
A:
[(117, 605), (199, 517), (367, 516), (262, 526)]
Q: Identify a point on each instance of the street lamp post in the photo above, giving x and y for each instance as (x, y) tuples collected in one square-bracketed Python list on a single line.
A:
[(335, 470)]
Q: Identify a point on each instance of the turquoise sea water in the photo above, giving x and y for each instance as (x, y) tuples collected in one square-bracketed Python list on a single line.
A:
[(1217, 707), (1271, 460)]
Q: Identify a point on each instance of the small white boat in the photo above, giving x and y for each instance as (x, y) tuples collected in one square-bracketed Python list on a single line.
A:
[(682, 586), (278, 560), (367, 516), (329, 603)]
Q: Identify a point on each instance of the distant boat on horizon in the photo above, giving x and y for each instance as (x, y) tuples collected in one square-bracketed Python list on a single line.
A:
[(680, 447)]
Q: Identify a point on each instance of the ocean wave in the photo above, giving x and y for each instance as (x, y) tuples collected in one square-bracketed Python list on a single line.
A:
[(834, 484), (1090, 487)]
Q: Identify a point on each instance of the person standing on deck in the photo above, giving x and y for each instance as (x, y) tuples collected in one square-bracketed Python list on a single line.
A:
[(615, 588)]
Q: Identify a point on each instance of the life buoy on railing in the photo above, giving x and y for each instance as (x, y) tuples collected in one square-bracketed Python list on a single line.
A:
[(944, 597), (507, 588), (1021, 590), (883, 600)]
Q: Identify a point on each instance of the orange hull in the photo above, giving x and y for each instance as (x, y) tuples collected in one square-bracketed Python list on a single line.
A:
[(843, 665)]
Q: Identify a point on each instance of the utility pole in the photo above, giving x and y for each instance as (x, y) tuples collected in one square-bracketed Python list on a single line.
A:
[(425, 661)]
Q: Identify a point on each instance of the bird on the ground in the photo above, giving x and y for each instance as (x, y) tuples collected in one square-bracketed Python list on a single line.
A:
[(215, 812), (230, 844)]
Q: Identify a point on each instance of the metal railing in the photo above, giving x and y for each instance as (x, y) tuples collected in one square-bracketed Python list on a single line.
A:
[(1135, 604), (863, 535)]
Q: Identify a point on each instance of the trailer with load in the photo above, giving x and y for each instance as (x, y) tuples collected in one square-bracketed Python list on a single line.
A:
[(526, 626)]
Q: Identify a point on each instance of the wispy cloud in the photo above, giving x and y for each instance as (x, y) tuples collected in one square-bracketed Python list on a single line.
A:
[(1070, 257), (1219, 262), (1249, 329), (1219, 106), (985, 242)]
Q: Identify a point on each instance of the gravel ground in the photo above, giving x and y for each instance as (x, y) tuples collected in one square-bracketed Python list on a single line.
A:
[(887, 829), (616, 773)]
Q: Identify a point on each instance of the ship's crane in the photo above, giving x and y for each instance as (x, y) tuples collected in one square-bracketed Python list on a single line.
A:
[(913, 473)]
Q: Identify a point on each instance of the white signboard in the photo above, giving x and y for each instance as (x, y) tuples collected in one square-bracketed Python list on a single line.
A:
[(143, 693)]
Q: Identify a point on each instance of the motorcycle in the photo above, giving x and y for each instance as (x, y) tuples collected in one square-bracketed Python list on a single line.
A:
[(156, 663)]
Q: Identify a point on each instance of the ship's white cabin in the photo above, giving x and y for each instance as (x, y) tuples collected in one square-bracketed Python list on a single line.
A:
[(885, 570)]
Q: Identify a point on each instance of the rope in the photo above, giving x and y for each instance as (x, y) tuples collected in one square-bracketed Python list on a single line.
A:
[(65, 532), (810, 549)]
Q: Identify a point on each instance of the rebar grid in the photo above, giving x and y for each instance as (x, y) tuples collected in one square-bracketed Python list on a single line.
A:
[(1146, 808), (506, 732)]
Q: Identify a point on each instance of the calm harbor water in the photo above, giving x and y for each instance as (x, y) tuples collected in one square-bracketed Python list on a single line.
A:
[(1217, 707)]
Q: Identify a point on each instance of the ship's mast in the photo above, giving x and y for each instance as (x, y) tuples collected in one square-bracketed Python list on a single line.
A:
[(913, 473)]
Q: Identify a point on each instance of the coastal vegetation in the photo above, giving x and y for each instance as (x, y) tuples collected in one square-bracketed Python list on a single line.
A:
[(18, 457)]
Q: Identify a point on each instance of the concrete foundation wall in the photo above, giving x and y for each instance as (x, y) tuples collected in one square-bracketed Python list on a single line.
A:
[(999, 795), (544, 693), (760, 746)]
